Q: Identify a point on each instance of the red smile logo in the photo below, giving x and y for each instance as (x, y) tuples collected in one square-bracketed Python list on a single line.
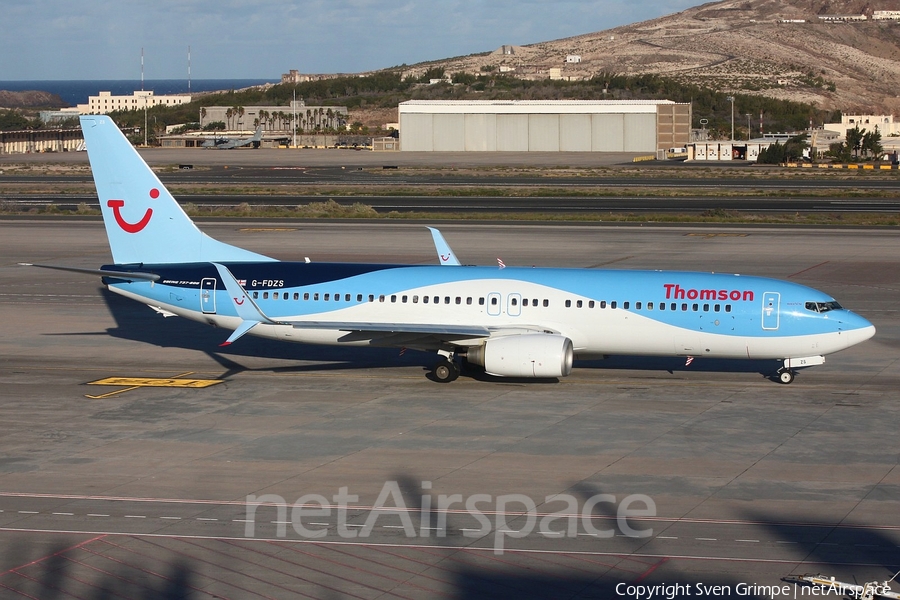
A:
[(116, 206)]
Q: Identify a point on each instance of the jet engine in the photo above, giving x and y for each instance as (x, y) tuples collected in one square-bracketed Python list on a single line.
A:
[(526, 355)]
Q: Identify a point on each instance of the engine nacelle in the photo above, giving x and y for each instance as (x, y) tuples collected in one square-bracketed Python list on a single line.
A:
[(526, 355)]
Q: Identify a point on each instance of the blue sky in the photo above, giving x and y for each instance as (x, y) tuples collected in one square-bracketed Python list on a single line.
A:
[(102, 39)]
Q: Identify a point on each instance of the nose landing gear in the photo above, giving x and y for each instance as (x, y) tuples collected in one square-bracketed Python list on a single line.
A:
[(785, 376)]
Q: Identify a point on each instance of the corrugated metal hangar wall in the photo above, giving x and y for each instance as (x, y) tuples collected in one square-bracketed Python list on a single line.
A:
[(543, 126)]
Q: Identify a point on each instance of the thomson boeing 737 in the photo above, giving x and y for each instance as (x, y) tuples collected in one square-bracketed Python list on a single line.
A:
[(512, 322)]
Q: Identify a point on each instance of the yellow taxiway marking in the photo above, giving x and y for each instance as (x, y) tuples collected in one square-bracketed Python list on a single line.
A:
[(262, 229), (715, 235), (133, 383)]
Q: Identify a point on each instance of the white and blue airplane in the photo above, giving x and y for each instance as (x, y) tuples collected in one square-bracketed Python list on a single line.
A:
[(512, 322)]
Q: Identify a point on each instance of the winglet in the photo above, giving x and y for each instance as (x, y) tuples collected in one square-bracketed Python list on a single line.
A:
[(445, 253), (244, 305)]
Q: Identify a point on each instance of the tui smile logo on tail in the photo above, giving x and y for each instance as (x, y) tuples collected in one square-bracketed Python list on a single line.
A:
[(116, 205)]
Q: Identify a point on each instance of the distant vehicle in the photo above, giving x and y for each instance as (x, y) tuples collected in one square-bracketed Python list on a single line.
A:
[(231, 143)]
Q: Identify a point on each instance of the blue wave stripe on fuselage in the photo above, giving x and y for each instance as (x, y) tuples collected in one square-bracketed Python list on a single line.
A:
[(597, 285)]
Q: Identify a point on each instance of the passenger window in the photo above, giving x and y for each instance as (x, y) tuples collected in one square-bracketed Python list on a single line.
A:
[(662, 306), (424, 299), (287, 296), (637, 305), (326, 297), (514, 301), (591, 304), (695, 307), (404, 299), (578, 304), (469, 300), (612, 304), (716, 307), (256, 295), (568, 304), (625, 305), (359, 297), (494, 301), (316, 297), (673, 306), (437, 299), (296, 295), (347, 298), (534, 302), (381, 298), (727, 308), (415, 299), (481, 302), (546, 303), (684, 306), (274, 295), (393, 297), (458, 300), (337, 297), (649, 306), (603, 304), (371, 297), (265, 295), (706, 308)]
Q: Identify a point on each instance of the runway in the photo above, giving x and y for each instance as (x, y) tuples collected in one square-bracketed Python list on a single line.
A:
[(143, 491)]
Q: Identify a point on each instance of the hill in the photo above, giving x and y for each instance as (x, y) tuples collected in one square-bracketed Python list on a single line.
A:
[(740, 46), (30, 99)]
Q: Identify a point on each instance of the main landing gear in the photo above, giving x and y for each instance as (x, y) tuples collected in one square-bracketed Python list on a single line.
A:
[(446, 369)]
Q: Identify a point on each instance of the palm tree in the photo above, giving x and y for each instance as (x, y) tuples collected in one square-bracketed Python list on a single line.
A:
[(228, 115)]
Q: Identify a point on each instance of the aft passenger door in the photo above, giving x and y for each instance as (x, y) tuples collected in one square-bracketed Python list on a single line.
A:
[(208, 295), (770, 308)]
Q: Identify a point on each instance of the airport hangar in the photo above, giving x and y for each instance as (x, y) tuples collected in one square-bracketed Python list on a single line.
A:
[(544, 125)]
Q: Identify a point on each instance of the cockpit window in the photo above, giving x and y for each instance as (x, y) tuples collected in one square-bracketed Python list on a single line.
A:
[(822, 307)]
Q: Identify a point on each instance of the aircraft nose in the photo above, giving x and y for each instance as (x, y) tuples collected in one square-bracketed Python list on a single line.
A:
[(857, 328)]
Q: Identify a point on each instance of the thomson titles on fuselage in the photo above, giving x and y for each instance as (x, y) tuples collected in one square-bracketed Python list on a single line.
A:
[(676, 292)]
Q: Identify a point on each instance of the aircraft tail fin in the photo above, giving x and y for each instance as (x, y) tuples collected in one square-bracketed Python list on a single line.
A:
[(144, 223)]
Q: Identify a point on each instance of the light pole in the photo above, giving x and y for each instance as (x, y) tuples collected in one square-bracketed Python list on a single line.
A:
[(748, 127), (731, 99)]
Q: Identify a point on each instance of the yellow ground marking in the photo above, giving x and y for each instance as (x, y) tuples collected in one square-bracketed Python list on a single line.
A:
[(258, 229), (713, 235), (133, 383)]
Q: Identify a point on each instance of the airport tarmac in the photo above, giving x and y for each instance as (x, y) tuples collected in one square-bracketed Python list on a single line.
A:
[(268, 157), (132, 490)]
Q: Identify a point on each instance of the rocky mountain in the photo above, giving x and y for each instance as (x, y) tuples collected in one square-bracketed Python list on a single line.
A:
[(30, 99), (791, 49)]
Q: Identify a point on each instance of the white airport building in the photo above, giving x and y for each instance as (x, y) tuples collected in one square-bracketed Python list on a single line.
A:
[(543, 125), (105, 102)]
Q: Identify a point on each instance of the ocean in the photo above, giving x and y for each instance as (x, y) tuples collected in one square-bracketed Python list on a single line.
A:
[(77, 91)]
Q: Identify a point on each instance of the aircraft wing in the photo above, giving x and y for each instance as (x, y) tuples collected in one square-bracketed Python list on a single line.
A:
[(412, 335), (473, 331)]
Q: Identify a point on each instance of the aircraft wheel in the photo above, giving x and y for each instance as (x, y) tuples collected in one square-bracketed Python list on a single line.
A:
[(786, 376), (445, 371)]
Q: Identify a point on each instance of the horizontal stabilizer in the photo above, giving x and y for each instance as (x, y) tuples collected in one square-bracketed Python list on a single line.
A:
[(126, 275)]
